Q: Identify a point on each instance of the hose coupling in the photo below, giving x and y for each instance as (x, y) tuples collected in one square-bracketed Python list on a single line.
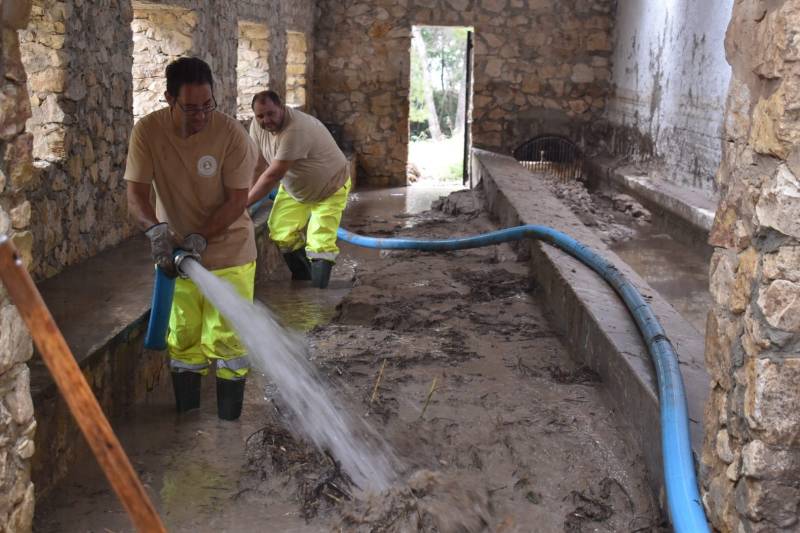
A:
[(181, 256)]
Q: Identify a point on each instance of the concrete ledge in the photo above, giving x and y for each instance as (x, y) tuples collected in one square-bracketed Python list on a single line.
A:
[(101, 307), (592, 318), (690, 210)]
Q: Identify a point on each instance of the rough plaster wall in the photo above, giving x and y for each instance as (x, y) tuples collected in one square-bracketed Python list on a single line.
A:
[(670, 81), (17, 425), (751, 454), (540, 66)]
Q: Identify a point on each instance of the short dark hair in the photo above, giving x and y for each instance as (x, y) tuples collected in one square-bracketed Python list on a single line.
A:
[(187, 70), (263, 96)]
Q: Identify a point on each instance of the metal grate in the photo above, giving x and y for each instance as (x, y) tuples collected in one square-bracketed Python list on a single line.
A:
[(551, 154)]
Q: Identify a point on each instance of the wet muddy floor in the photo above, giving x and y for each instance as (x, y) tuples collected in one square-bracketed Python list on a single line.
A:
[(452, 361)]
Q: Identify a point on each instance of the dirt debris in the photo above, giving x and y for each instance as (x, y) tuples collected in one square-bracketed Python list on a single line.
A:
[(615, 217), (515, 433), (430, 501)]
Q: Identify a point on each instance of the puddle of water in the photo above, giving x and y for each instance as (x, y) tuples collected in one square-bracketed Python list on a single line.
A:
[(416, 198), (677, 272), (300, 306)]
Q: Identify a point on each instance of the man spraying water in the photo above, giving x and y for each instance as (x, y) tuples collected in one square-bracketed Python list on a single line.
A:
[(200, 163)]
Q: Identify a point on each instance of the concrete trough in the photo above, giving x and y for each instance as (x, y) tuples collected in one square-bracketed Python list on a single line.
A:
[(593, 320)]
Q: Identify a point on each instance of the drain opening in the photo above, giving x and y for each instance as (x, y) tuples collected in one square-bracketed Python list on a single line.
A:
[(553, 155)]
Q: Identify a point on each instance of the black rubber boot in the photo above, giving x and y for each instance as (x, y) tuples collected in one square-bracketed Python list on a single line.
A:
[(187, 390), (320, 273), (230, 396), (298, 264)]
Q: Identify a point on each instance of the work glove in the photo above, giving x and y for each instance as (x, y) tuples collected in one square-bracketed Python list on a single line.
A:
[(162, 245), (194, 244)]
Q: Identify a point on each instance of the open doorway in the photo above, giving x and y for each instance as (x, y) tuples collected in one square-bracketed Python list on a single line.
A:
[(439, 106)]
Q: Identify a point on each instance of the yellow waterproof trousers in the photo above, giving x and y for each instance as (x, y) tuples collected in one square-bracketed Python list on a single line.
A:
[(289, 218), (198, 334)]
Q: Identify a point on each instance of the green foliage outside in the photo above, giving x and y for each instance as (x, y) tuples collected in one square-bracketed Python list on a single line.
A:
[(446, 66)]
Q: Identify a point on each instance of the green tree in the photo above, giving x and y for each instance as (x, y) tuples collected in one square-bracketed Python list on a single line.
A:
[(443, 70)]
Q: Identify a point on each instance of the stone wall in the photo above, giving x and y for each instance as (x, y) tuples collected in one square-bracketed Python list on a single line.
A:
[(252, 68), (214, 39), (540, 66), (17, 425), (160, 36), (280, 18), (79, 61), (751, 459), (670, 80)]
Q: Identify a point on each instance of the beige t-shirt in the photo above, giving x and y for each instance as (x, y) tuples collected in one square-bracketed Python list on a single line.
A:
[(189, 174), (319, 168)]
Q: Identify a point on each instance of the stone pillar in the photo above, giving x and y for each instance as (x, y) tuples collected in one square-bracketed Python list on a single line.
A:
[(216, 42), (17, 424), (751, 456)]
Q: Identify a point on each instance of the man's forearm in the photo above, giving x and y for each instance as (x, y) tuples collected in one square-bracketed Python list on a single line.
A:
[(139, 207), (222, 218), (265, 182)]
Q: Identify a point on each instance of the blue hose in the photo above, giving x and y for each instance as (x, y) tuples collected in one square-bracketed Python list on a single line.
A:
[(683, 499), (160, 307)]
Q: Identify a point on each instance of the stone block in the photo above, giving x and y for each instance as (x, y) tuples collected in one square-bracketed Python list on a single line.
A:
[(15, 344), (764, 132), (22, 515), (722, 276), (49, 80), (23, 240), (582, 73), (780, 303), (778, 205), (723, 446), (721, 335), (760, 461), (718, 499), (783, 264), (18, 161), (21, 215), (743, 282), (772, 400), (599, 41), (775, 500)]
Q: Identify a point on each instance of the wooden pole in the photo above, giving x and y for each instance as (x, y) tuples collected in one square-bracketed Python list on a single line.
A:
[(73, 386)]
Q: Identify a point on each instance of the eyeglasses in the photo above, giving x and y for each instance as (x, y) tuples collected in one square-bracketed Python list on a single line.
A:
[(192, 110)]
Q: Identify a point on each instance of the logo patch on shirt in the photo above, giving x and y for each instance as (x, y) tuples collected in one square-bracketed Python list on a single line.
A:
[(207, 166)]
